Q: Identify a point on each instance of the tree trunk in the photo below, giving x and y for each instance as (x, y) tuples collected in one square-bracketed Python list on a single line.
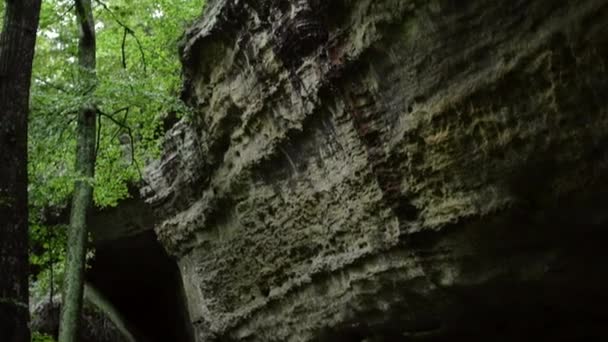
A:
[(83, 188), (17, 43)]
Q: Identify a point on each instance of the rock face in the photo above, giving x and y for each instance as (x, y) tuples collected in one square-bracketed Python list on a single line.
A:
[(378, 170)]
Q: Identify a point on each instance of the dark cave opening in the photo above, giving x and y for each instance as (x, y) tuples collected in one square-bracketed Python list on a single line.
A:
[(143, 283)]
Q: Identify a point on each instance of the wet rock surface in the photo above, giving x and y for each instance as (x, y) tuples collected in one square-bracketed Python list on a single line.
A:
[(361, 170)]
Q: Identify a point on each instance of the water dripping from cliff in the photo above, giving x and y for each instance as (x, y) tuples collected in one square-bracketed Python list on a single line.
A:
[(144, 284)]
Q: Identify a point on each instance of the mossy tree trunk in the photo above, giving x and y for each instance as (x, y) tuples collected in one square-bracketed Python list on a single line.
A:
[(83, 187), (17, 42)]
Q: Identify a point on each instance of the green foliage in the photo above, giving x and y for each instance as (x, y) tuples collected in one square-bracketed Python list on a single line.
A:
[(139, 80), (47, 255), (40, 337)]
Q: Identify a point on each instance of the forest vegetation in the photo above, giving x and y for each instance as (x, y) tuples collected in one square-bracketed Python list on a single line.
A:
[(303, 170), (134, 91)]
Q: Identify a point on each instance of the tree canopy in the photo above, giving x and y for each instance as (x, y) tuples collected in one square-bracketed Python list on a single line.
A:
[(139, 80)]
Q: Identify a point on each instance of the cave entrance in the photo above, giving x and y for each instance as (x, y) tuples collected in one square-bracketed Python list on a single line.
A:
[(137, 276)]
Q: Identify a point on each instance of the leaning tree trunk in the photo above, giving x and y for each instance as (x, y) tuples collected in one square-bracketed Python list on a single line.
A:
[(83, 188), (17, 43)]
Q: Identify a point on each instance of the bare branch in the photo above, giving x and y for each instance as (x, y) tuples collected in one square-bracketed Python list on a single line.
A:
[(129, 31), (129, 132), (124, 120), (122, 49), (67, 11), (98, 135)]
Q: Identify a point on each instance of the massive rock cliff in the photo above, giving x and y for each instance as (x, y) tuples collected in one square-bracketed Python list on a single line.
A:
[(374, 170)]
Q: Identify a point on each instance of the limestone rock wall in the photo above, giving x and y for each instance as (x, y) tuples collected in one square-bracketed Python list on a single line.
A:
[(390, 169)]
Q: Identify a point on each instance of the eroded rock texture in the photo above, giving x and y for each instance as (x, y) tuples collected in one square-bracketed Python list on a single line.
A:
[(377, 170)]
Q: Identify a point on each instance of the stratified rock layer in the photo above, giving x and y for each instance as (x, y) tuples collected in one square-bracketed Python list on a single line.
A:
[(391, 170)]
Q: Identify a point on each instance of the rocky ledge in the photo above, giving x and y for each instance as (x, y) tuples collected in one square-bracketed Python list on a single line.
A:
[(378, 170)]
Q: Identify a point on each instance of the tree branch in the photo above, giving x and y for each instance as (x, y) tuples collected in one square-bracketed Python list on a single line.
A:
[(122, 48), (129, 31), (129, 132), (98, 142), (67, 11), (124, 119)]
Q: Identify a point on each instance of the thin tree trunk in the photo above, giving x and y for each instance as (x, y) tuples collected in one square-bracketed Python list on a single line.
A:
[(83, 187), (17, 42), (51, 267)]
